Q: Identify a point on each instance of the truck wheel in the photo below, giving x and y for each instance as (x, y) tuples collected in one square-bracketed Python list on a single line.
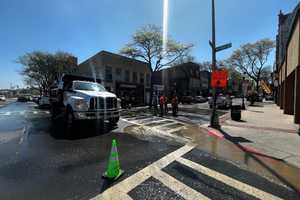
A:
[(69, 122), (54, 113), (113, 121)]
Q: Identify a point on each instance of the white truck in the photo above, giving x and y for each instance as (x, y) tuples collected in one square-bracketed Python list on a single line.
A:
[(76, 98)]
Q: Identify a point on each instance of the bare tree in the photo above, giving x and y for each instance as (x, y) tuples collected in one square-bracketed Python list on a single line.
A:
[(147, 45), (251, 59), (41, 69)]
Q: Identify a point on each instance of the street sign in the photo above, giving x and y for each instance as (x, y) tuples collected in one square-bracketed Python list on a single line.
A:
[(223, 47), (211, 44), (158, 87), (219, 79)]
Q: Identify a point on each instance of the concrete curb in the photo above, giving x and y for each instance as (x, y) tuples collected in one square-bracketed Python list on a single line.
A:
[(217, 134)]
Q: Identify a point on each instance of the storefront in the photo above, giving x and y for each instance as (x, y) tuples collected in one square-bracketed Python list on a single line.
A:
[(130, 93)]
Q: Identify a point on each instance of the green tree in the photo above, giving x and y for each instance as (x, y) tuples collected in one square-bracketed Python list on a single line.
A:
[(41, 69), (251, 59), (147, 46)]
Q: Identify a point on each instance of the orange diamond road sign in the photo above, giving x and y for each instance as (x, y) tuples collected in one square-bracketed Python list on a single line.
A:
[(219, 79)]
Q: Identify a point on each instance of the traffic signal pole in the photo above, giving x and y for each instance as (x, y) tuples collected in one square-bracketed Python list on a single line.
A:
[(214, 120)]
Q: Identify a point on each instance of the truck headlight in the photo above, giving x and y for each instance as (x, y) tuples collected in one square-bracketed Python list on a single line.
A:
[(81, 104), (119, 103)]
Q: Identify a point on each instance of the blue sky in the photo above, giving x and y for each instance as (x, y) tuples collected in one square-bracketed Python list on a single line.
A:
[(84, 27)]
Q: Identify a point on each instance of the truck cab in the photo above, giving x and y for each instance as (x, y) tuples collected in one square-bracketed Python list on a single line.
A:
[(79, 98)]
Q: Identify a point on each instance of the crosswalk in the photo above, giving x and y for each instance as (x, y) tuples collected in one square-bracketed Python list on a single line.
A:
[(24, 112), (159, 123), (163, 126), (157, 171)]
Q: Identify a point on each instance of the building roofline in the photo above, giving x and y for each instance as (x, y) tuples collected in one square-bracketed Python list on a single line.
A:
[(104, 53), (295, 16)]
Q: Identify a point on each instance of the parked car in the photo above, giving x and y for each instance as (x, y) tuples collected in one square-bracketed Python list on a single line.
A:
[(222, 101), (186, 99), (2, 98), (269, 98), (200, 99), (23, 98), (44, 102), (36, 99), (254, 97)]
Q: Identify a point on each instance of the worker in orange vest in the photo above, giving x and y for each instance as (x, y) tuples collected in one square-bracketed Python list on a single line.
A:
[(166, 105), (161, 105)]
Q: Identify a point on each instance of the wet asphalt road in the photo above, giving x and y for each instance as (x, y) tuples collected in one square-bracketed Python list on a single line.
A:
[(38, 162)]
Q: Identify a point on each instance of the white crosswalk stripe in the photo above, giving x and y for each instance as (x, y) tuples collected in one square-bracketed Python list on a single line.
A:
[(156, 123), (133, 181), (178, 187), (121, 189), (227, 180), (24, 112), (7, 113)]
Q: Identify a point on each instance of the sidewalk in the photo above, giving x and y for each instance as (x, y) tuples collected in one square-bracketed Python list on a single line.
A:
[(267, 130)]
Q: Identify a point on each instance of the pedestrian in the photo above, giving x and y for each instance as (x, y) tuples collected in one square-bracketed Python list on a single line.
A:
[(127, 101), (161, 105), (166, 105), (174, 105), (154, 104)]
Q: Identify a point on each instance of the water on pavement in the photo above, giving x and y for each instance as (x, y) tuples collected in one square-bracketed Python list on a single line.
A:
[(230, 150)]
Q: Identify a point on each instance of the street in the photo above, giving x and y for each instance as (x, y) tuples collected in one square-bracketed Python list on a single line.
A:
[(38, 162)]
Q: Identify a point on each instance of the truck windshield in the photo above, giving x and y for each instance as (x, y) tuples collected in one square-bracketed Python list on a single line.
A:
[(88, 86)]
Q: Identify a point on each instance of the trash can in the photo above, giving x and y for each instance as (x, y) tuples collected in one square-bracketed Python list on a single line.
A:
[(236, 112)]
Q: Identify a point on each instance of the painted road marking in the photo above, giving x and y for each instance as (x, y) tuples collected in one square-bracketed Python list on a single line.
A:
[(7, 113), (23, 112), (227, 180), (178, 187), (136, 179), (167, 124), (157, 128), (160, 132), (176, 129)]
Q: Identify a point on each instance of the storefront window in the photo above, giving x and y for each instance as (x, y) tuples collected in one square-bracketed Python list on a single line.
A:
[(127, 76), (142, 78), (108, 73), (148, 79), (119, 73), (134, 77)]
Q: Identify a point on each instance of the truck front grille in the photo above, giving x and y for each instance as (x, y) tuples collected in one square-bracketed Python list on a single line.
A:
[(99, 103)]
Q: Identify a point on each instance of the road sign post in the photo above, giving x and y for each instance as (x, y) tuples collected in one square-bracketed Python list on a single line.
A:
[(214, 120)]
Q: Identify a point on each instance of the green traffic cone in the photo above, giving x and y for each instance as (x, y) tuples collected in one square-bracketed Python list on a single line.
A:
[(113, 171)]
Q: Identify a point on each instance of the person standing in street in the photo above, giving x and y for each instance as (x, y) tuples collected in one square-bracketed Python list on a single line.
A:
[(161, 105), (174, 105), (166, 105), (154, 104)]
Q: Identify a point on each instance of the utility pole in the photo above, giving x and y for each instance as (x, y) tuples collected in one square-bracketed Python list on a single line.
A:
[(243, 95), (214, 121)]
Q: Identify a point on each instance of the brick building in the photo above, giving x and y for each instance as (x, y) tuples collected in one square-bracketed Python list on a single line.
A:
[(185, 79), (124, 76), (287, 63)]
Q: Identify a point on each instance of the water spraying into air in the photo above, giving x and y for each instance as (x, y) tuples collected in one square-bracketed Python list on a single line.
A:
[(165, 25), (92, 67)]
